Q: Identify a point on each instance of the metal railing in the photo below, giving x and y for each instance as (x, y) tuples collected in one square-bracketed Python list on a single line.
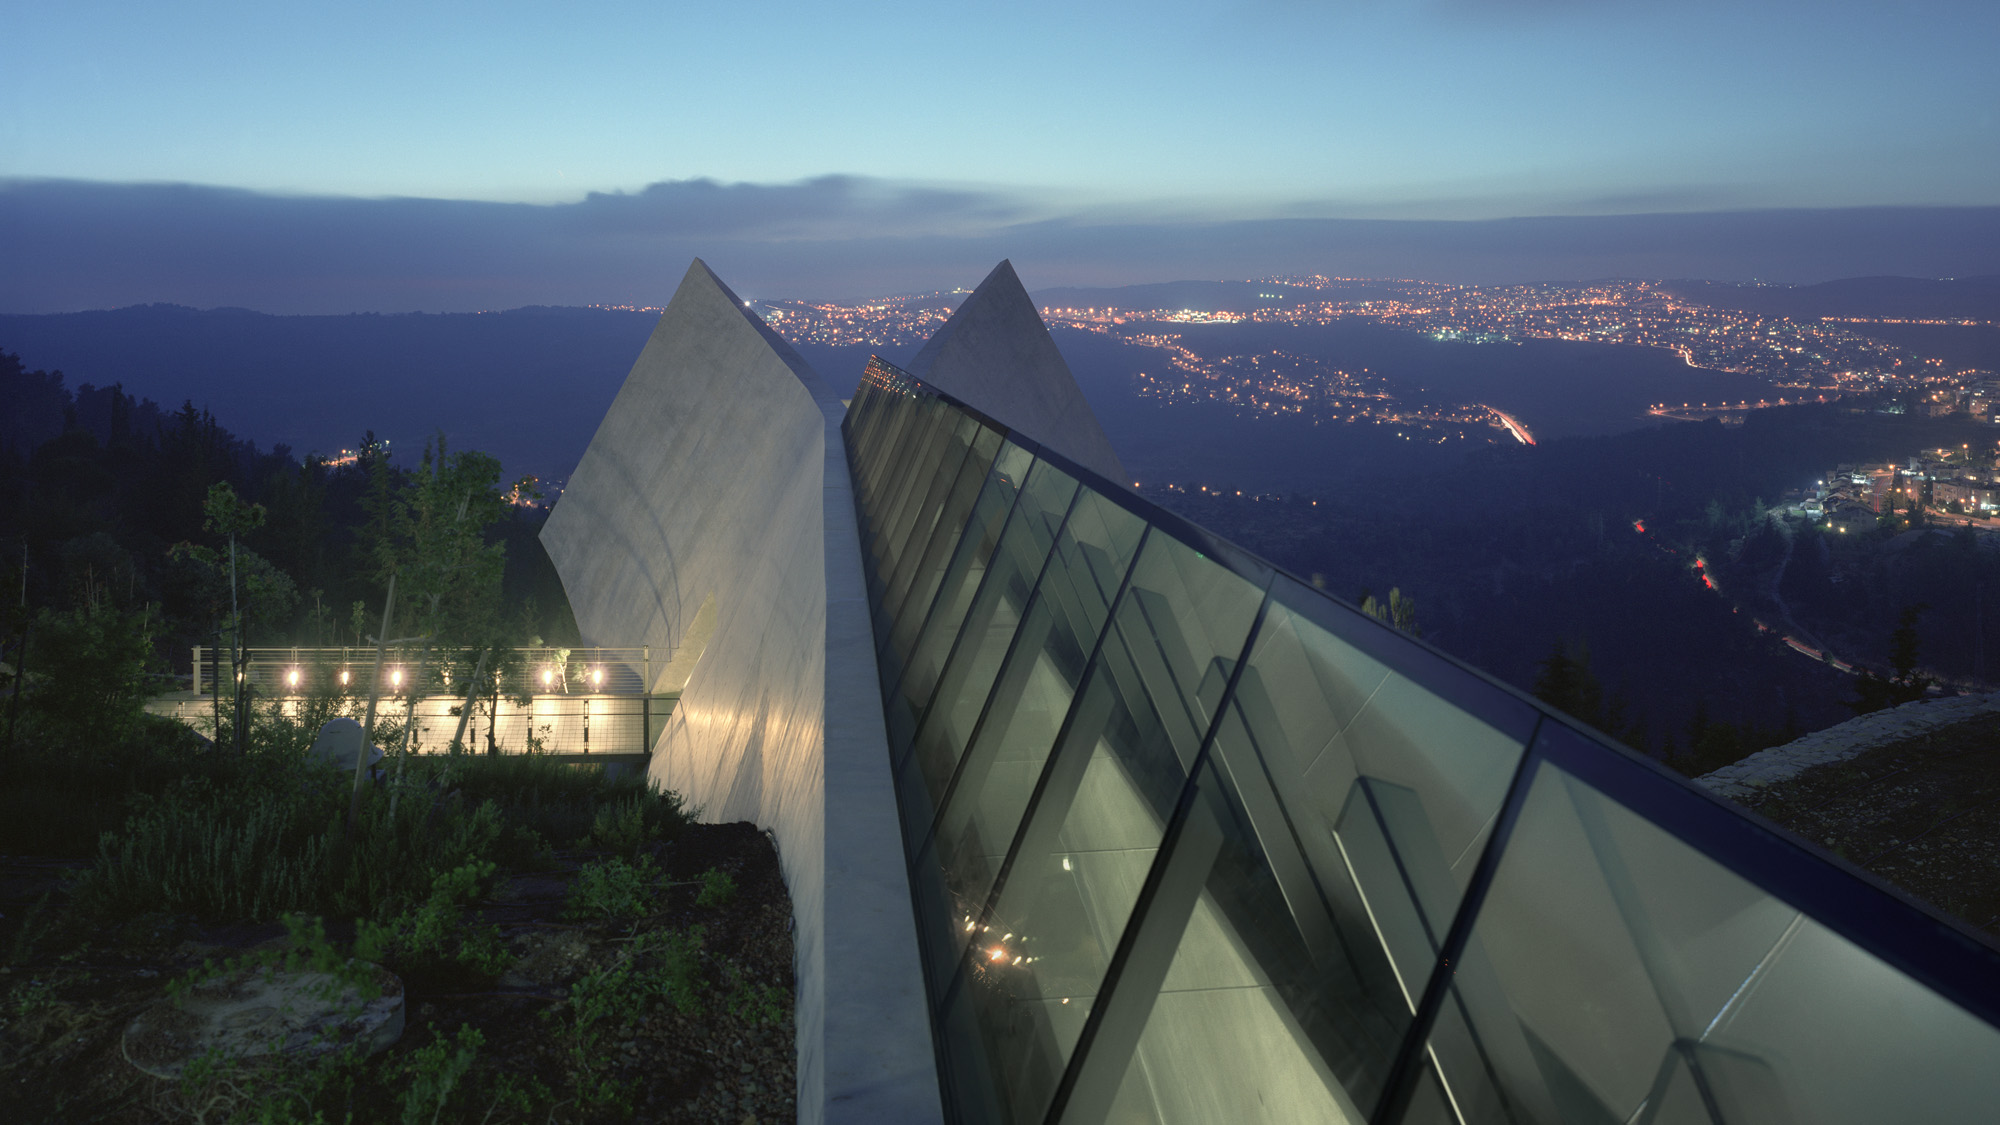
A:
[(577, 701), (587, 723), (547, 670)]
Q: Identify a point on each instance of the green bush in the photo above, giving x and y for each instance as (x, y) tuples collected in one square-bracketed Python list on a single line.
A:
[(718, 888), (256, 850), (562, 803), (658, 967), (433, 942), (89, 671), (57, 798), (435, 1071), (217, 852), (612, 890)]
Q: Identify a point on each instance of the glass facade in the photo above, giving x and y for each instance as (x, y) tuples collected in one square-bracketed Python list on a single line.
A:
[(1192, 842)]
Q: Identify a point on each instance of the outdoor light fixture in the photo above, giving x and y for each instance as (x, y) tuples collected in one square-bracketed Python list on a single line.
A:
[(596, 677), (343, 677), (396, 678), (292, 678)]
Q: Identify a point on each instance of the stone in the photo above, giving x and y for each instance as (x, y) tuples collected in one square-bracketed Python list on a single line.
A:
[(256, 1012), (338, 743)]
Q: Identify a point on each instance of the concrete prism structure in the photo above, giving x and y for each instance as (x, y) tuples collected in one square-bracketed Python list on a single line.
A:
[(995, 355), (710, 517), (1089, 815)]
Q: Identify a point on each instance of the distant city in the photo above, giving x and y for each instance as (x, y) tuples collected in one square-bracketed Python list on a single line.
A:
[(1787, 361)]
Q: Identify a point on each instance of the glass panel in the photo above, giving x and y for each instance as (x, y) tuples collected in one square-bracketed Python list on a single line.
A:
[(1032, 694), (1246, 1027), (924, 440), (930, 477), (1068, 896), (1037, 957), (991, 624), (917, 578), (880, 446), (930, 637), (1617, 974), (878, 387), (910, 528), (1427, 1103), (1184, 624)]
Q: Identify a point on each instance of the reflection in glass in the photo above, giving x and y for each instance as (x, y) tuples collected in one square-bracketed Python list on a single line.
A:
[(1159, 879)]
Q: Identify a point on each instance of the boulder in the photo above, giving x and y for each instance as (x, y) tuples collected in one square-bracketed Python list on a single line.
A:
[(337, 744)]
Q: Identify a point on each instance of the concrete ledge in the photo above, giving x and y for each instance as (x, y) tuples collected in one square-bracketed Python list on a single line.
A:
[(1850, 739)]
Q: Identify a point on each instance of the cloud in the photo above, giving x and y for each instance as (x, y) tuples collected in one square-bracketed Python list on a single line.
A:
[(819, 208), (70, 245)]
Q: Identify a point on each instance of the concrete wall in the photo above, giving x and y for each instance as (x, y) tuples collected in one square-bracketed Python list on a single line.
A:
[(995, 355), (718, 474)]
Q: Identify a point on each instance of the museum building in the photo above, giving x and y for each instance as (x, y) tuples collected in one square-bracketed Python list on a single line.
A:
[(1090, 816)]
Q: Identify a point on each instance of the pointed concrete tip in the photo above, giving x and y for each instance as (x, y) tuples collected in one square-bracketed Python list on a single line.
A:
[(702, 286), (995, 355)]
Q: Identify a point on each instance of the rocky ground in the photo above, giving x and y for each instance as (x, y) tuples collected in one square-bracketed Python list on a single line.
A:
[(695, 1026), (1921, 812)]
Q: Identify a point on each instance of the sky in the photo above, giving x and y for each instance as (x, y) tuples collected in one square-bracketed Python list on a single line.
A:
[(960, 123)]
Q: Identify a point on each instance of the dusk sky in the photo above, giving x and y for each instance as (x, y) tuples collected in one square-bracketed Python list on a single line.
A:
[(949, 122)]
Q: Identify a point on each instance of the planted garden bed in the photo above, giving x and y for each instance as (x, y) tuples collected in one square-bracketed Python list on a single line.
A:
[(570, 949)]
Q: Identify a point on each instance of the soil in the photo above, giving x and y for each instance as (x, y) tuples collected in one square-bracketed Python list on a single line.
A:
[(1923, 814), (67, 994)]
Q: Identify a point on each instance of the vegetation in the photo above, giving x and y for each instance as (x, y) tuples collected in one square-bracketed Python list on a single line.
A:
[(130, 533)]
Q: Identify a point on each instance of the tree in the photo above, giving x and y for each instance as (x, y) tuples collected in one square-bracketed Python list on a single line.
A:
[(430, 534), (228, 515), (1565, 682), (91, 666), (1398, 612), (1905, 684)]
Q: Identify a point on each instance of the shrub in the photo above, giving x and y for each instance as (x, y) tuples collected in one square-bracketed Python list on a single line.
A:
[(562, 803), (614, 890), (432, 942), (255, 850), (89, 666), (214, 852), (718, 888), (656, 967), (435, 1071)]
